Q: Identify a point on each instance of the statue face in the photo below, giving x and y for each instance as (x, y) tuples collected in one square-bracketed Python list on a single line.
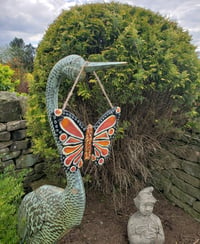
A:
[(146, 209)]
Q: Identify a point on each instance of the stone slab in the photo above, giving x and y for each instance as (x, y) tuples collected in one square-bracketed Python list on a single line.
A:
[(20, 145), (5, 136), (186, 152), (191, 211), (7, 163), (19, 134), (182, 196), (196, 206), (16, 125), (4, 150), (10, 155), (162, 182), (163, 159), (9, 106), (191, 168), (25, 161), (2, 126), (187, 178), (185, 187), (5, 144), (39, 167)]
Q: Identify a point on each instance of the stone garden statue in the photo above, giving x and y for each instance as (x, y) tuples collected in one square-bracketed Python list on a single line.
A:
[(144, 227)]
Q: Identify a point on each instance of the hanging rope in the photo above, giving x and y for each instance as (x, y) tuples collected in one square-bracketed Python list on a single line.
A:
[(72, 89), (103, 90), (75, 83)]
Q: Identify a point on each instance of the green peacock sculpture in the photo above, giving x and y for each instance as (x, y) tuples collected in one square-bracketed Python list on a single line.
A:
[(49, 212)]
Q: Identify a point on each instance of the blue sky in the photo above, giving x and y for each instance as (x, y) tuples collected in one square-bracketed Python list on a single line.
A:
[(29, 19)]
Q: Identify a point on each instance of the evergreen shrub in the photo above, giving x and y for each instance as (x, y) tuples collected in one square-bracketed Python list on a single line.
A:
[(6, 82), (158, 90)]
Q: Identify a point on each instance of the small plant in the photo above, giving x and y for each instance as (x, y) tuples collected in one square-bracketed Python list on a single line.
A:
[(11, 189), (6, 75)]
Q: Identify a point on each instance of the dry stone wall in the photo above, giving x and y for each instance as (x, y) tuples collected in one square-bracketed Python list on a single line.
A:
[(15, 145), (176, 167), (177, 173)]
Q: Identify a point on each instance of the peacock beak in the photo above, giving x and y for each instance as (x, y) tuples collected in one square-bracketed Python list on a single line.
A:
[(93, 66)]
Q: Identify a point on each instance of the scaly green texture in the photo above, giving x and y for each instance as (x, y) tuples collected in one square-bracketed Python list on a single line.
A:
[(49, 212)]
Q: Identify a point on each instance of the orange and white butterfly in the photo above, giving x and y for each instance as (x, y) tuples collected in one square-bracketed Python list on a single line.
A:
[(81, 143)]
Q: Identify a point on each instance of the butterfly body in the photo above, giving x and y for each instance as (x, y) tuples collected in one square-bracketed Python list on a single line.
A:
[(80, 143), (88, 142)]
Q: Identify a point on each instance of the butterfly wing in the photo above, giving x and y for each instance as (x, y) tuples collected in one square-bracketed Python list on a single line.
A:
[(69, 132), (104, 131)]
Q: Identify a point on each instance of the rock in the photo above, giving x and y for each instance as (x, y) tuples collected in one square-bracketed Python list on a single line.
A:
[(3, 151), (16, 125), (182, 196), (185, 187), (7, 163), (32, 176), (20, 145), (19, 134), (196, 206), (187, 178), (10, 155), (163, 159), (186, 152), (27, 151), (5, 136), (184, 206), (39, 167), (2, 127), (164, 183), (26, 161), (5, 144), (10, 107), (191, 168)]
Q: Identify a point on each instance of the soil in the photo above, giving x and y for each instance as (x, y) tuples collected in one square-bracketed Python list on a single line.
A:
[(101, 224)]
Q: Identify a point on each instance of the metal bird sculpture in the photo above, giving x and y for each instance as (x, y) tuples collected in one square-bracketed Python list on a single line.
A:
[(49, 212)]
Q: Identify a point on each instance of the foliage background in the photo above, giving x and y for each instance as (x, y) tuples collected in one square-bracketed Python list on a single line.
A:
[(6, 75), (19, 57), (11, 189), (158, 90)]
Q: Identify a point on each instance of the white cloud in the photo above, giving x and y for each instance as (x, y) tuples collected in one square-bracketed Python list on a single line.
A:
[(29, 19), (184, 12)]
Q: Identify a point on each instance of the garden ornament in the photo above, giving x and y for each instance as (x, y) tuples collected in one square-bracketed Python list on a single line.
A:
[(144, 227), (49, 212)]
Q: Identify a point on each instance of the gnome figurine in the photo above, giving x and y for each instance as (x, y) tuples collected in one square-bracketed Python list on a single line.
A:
[(144, 227)]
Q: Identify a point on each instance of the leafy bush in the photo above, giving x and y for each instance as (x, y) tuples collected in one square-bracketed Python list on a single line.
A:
[(6, 83), (160, 83), (11, 192)]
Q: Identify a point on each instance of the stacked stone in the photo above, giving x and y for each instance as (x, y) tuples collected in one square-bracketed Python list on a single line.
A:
[(177, 173), (15, 145)]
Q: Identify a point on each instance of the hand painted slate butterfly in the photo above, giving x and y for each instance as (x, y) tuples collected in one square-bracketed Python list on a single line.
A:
[(81, 143)]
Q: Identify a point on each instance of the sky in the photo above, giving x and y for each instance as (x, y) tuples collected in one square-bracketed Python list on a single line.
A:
[(29, 19)]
